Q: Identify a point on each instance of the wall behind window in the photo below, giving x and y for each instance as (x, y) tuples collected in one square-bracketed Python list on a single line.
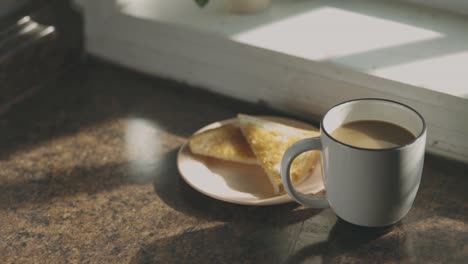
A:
[(8, 6), (459, 6)]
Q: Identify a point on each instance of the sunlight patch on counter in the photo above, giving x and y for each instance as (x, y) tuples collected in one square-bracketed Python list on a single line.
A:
[(143, 146)]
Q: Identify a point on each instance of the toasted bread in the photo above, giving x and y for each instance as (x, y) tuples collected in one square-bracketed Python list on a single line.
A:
[(270, 140), (225, 142)]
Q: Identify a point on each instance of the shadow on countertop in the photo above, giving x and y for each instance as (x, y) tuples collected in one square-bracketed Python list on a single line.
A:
[(345, 238), (233, 243), (87, 180)]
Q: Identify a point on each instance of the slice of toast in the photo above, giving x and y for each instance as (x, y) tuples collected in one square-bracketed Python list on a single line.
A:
[(225, 142), (270, 140)]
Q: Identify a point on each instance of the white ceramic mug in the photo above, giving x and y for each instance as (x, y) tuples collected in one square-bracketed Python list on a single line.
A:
[(366, 187)]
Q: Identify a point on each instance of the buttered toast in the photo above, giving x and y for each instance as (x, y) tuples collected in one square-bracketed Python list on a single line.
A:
[(225, 142), (270, 140)]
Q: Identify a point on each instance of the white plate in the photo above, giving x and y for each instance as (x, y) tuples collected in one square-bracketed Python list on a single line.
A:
[(238, 183)]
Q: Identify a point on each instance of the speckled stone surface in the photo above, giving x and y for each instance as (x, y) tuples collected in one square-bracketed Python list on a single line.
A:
[(88, 175)]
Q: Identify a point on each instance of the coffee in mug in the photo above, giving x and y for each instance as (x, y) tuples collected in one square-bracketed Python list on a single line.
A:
[(372, 134)]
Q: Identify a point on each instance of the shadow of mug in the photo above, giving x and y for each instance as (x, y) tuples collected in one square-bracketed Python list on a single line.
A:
[(348, 242)]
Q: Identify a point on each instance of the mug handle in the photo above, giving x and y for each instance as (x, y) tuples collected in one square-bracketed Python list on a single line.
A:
[(291, 153)]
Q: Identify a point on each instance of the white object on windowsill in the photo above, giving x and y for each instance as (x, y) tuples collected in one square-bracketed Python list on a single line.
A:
[(248, 6)]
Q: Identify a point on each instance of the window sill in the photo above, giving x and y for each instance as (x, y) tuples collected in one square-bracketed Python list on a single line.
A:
[(300, 56)]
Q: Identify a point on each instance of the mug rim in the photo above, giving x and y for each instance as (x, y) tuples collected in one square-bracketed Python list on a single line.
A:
[(423, 130)]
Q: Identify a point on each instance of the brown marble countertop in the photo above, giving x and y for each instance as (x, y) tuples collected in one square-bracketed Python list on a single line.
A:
[(88, 174)]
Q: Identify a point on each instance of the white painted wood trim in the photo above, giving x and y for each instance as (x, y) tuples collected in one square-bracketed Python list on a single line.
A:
[(299, 86)]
